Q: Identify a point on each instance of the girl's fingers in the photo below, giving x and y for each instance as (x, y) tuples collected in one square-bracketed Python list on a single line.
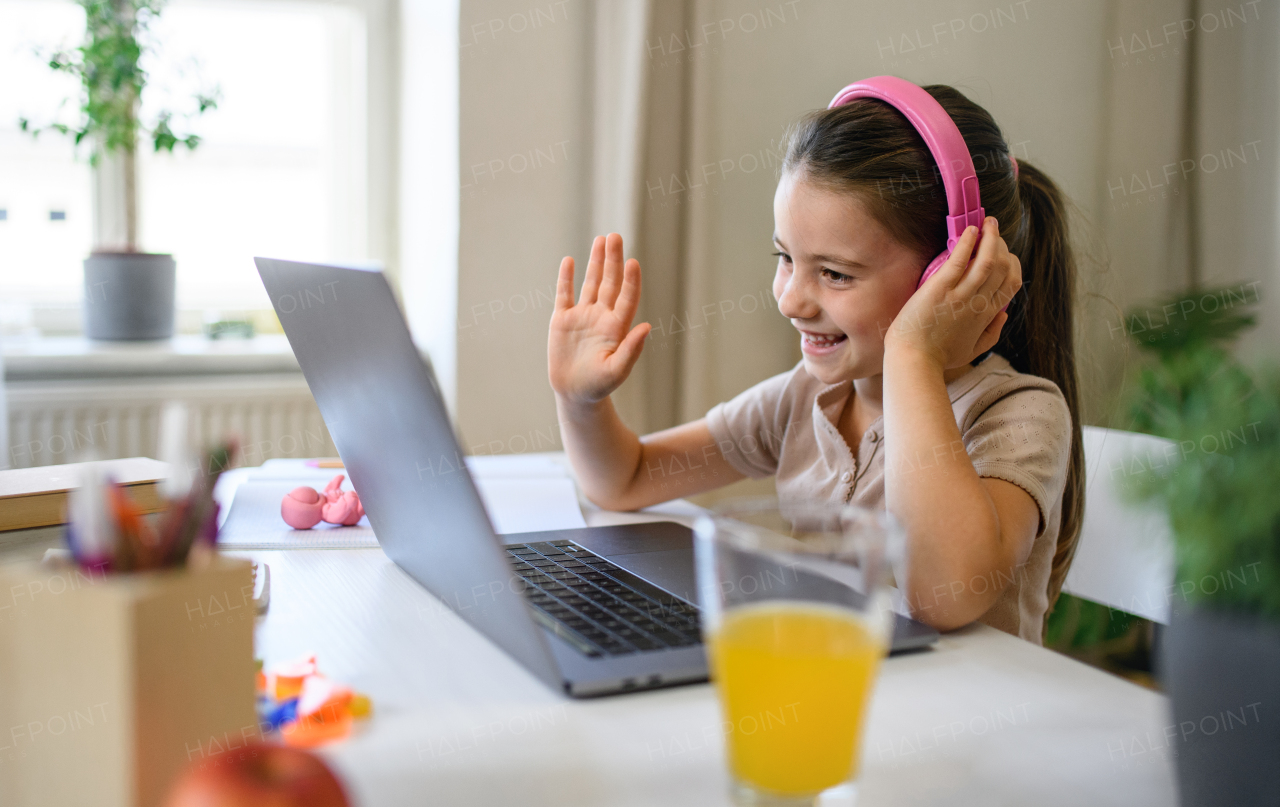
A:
[(991, 335), (595, 267), (954, 268), (988, 278), (612, 279), (629, 295), (1012, 283), (1003, 277), (979, 274), (564, 285), (628, 351)]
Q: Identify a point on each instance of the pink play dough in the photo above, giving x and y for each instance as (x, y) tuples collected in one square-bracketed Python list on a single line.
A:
[(343, 507), (303, 508)]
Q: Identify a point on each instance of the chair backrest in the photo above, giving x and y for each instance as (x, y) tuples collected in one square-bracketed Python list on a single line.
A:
[(1124, 558)]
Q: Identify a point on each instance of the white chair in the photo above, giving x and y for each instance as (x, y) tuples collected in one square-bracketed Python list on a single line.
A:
[(1124, 558)]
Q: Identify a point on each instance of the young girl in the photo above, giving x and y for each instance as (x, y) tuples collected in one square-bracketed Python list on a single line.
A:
[(957, 416)]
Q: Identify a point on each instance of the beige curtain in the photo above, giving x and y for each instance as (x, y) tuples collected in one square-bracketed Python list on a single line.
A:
[(1188, 187), (1235, 140), (639, 117), (1136, 233)]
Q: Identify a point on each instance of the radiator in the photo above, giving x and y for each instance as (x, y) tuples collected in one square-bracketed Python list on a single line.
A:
[(53, 422)]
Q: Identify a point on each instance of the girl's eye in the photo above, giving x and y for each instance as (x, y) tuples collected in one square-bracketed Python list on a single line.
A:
[(784, 256), (835, 276)]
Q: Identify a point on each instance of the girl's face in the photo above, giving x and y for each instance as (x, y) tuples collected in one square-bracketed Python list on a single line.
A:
[(841, 279)]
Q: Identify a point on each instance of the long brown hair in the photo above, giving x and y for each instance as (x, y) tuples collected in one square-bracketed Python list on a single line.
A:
[(868, 148)]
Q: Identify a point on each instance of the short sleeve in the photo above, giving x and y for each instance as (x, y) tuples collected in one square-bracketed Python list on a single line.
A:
[(748, 430), (1024, 438)]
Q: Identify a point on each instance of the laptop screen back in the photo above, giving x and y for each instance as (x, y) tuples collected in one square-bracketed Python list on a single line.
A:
[(383, 409)]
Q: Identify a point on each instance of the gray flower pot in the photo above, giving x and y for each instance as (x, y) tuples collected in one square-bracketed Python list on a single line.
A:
[(1222, 673), (128, 295)]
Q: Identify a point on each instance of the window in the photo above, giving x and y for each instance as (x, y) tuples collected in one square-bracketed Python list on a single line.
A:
[(281, 169), (40, 254)]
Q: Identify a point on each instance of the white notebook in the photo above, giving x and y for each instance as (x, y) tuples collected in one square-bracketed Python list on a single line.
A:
[(515, 503)]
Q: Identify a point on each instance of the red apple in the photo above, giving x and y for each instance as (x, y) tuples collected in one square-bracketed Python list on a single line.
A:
[(259, 775)]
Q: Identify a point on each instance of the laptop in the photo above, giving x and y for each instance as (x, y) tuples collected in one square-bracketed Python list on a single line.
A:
[(591, 611)]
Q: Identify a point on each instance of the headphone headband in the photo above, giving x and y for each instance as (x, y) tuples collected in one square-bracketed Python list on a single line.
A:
[(940, 134)]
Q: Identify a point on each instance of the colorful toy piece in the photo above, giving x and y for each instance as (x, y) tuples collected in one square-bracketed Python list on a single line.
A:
[(305, 709), (302, 508)]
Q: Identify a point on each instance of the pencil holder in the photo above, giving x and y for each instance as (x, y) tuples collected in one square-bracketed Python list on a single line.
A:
[(112, 684)]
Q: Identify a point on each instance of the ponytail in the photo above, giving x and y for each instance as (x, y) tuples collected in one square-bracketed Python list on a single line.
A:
[(1039, 338), (868, 148)]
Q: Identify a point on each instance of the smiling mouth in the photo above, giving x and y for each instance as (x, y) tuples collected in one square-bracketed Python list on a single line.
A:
[(821, 340)]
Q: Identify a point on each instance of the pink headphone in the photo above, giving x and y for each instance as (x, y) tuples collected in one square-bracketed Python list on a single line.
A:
[(945, 143)]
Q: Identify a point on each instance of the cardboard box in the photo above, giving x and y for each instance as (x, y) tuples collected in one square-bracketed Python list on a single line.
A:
[(111, 685)]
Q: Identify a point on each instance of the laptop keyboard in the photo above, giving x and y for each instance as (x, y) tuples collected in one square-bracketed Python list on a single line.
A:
[(599, 608)]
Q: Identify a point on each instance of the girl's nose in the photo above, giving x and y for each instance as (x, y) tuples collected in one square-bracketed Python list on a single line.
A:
[(797, 299)]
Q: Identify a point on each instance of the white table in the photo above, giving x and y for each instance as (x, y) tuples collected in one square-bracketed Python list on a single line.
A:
[(982, 719)]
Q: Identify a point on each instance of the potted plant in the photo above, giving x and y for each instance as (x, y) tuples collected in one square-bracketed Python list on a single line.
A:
[(128, 294), (1221, 656)]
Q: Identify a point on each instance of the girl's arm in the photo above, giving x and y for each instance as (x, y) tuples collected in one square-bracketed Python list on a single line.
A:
[(620, 471), (960, 527), (590, 352)]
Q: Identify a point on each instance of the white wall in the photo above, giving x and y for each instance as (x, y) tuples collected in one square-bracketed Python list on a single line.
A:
[(525, 160)]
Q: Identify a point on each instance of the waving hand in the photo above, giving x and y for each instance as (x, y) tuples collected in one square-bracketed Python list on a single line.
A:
[(592, 346)]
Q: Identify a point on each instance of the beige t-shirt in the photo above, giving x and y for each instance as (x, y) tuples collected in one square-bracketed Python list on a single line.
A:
[(1013, 426)]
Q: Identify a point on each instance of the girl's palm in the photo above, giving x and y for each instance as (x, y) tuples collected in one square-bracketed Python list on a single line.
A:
[(592, 346)]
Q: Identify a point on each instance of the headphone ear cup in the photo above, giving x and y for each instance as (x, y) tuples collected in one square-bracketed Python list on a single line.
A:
[(934, 266)]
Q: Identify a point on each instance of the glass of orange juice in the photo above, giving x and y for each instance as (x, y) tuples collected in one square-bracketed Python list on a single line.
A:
[(796, 616)]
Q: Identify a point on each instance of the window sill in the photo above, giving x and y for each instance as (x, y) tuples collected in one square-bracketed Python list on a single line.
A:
[(62, 357), (21, 320)]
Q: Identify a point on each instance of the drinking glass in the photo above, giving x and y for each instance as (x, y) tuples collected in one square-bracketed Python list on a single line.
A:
[(796, 617)]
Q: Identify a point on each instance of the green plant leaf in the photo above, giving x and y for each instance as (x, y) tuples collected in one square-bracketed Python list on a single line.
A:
[(162, 135), (108, 64), (1223, 492)]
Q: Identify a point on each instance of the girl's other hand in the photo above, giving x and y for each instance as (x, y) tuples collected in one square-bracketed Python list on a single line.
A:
[(592, 346), (956, 315)]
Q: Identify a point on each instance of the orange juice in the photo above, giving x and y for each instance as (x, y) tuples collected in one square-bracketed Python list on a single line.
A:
[(794, 681)]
